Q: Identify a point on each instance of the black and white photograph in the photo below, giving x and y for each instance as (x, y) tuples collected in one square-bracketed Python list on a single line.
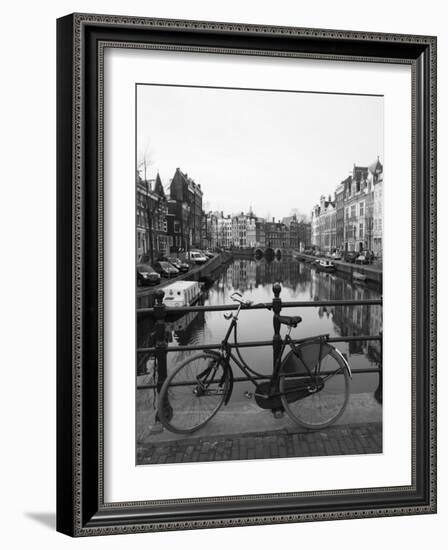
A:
[(235, 323), (258, 250)]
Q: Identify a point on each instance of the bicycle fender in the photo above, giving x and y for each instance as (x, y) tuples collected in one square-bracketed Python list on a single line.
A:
[(347, 366)]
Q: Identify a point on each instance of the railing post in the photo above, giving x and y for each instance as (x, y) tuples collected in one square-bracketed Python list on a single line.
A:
[(160, 344), (277, 409), (378, 394), (276, 308), (379, 390)]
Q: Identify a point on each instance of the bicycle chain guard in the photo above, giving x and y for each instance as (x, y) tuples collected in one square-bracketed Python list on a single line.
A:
[(264, 400)]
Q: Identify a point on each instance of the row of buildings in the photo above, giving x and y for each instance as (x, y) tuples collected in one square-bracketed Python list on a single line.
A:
[(168, 222), (175, 221), (352, 220), (249, 231)]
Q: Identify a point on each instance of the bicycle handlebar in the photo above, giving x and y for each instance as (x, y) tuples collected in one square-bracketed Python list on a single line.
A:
[(237, 297)]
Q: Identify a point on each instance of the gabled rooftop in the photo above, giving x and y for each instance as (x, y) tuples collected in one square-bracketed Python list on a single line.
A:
[(158, 187), (359, 172), (376, 168)]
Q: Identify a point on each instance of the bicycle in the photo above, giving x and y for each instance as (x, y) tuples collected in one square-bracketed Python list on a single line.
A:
[(312, 382)]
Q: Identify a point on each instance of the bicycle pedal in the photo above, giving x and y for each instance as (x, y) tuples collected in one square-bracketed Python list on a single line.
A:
[(278, 414), (248, 395)]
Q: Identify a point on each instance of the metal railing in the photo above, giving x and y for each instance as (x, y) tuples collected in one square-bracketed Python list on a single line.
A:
[(160, 312)]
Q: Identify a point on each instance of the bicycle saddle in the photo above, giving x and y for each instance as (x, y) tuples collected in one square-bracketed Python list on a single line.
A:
[(289, 321)]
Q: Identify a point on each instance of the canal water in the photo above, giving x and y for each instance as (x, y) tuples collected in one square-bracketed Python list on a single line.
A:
[(300, 282)]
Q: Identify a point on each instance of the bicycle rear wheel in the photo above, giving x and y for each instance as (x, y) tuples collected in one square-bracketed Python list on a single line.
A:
[(314, 392), (193, 393)]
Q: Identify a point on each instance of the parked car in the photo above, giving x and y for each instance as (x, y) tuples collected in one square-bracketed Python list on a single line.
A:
[(183, 267), (370, 256), (197, 257), (365, 257), (166, 269), (208, 253), (336, 256), (350, 257), (146, 275)]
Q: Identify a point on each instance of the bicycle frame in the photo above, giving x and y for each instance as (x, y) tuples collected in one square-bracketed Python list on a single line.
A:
[(227, 355)]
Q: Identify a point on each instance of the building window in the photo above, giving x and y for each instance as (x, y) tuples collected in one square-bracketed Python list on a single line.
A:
[(361, 209), (361, 231), (176, 227), (353, 211)]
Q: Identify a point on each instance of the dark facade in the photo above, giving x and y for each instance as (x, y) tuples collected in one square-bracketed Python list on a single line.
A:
[(151, 219), (292, 226), (304, 235), (260, 233), (204, 240), (178, 225), (184, 191), (298, 232), (276, 235)]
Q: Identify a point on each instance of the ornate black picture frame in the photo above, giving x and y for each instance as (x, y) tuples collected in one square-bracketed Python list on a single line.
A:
[(81, 509)]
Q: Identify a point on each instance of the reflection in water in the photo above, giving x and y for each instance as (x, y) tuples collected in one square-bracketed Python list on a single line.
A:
[(300, 282)]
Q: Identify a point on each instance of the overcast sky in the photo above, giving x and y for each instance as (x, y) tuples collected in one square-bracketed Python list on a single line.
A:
[(272, 151)]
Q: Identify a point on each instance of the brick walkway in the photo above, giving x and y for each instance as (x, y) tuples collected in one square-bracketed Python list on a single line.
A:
[(336, 440)]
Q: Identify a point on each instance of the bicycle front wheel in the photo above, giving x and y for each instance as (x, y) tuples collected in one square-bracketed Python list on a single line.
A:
[(193, 393), (314, 385)]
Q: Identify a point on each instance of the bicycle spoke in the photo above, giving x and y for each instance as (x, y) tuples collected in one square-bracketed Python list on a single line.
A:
[(194, 391), (319, 399), (330, 375)]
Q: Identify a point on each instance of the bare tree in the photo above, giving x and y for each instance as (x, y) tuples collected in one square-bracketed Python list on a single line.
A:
[(300, 216), (143, 165)]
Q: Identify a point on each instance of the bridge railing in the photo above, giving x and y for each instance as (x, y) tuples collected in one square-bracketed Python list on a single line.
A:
[(160, 312)]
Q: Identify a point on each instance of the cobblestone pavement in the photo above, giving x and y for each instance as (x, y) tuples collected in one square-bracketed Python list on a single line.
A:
[(337, 440)]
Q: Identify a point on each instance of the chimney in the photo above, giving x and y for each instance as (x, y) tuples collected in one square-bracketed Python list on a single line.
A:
[(273, 220)]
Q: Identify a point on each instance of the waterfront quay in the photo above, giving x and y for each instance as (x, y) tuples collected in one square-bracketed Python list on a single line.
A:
[(210, 271), (146, 296), (372, 272)]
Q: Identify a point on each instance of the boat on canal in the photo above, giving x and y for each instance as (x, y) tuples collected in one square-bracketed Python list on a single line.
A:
[(182, 293), (325, 265), (360, 277)]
